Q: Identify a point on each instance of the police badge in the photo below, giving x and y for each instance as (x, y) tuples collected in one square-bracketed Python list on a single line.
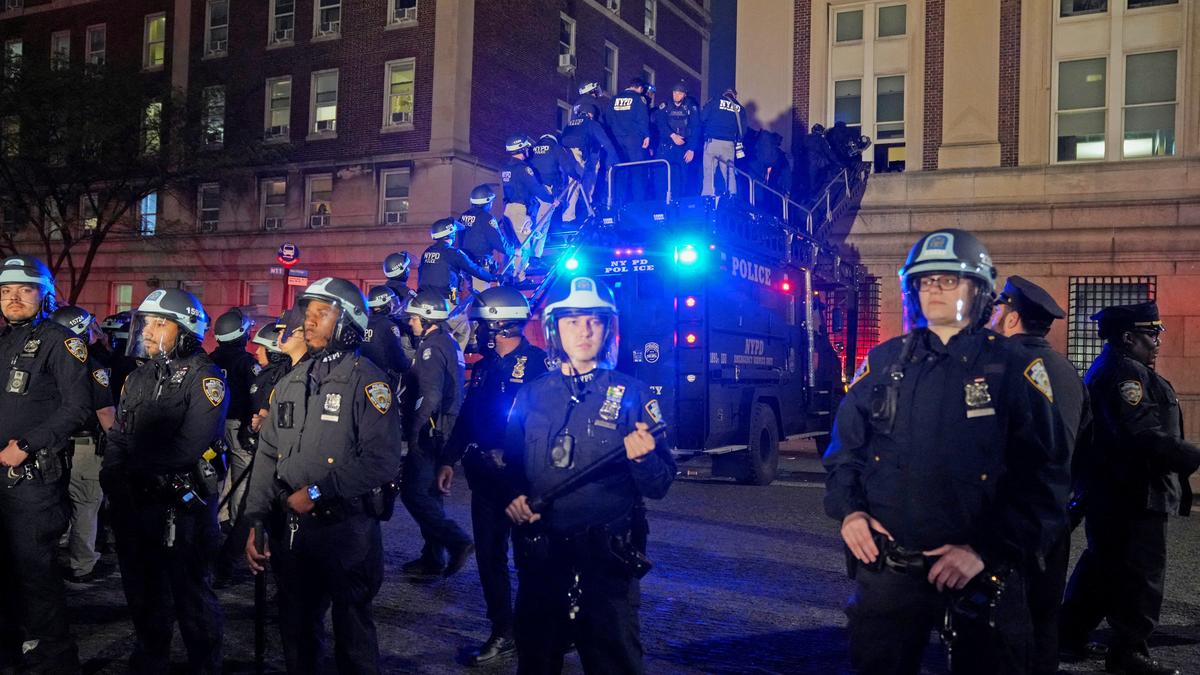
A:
[(333, 406), (518, 371), (977, 398), (611, 407), (380, 396), (31, 347), (100, 375), (214, 390)]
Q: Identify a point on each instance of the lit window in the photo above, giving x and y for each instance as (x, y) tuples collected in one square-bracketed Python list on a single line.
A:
[(327, 19), (848, 26), (148, 215), (402, 11), (1150, 105), (14, 50), (208, 207), (1088, 295), (89, 212), (216, 29), (152, 128), (395, 196), (283, 22), (279, 108), (122, 295), (214, 115), (154, 53), (1081, 111), (400, 76), (97, 40), (324, 102), (60, 49), (650, 26), (320, 200)]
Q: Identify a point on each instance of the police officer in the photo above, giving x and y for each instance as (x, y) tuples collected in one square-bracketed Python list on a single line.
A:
[(588, 142), (162, 485), (1024, 312), (396, 267), (482, 239), (559, 171), (579, 570), (947, 471), (46, 397), (509, 361), (591, 94), (232, 330), (116, 328), (275, 364), (678, 138), (84, 487), (383, 340), (629, 121), (1136, 475), (443, 267), (432, 399), (527, 202), (724, 121), (328, 445)]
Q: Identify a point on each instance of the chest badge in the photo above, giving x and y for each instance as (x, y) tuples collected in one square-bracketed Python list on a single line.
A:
[(518, 371), (31, 348), (611, 407), (978, 398), (177, 376), (332, 408)]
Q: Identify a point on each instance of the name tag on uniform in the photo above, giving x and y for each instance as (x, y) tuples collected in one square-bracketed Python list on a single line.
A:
[(333, 406), (612, 407), (977, 398)]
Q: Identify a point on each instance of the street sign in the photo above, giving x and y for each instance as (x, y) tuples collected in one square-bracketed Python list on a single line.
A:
[(289, 254), (276, 271), (298, 273), (297, 281)]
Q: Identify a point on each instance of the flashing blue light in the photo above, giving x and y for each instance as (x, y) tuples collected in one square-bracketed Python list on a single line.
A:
[(571, 264), (688, 255)]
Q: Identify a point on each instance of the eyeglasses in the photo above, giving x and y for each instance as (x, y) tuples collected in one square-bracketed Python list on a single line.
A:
[(945, 283), (1153, 335)]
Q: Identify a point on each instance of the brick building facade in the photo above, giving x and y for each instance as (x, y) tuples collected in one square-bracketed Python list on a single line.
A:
[(388, 112), (1065, 132)]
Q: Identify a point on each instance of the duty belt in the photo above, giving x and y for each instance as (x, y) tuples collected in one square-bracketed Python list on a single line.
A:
[(905, 561)]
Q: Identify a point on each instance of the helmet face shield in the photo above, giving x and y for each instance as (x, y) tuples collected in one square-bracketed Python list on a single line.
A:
[(607, 352), (152, 336)]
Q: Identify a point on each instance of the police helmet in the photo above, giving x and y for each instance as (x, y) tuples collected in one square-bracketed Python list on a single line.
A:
[(382, 300), (576, 296), (351, 325), (517, 143), (589, 88), (267, 337), (232, 326), (482, 195), (949, 251), (444, 227), (178, 306), (500, 303), (396, 265), (429, 305), (117, 325), (680, 86), (75, 319), (26, 269), (582, 109)]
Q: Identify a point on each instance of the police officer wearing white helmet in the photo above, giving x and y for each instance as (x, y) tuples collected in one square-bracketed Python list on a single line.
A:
[(45, 396), (443, 266), (161, 473), (433, 397), (327, 448), (580, 557)]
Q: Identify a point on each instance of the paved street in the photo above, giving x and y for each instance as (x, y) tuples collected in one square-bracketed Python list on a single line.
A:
[(746, 580)]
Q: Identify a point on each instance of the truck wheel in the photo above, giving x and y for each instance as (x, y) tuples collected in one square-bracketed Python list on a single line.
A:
[(762, 452)]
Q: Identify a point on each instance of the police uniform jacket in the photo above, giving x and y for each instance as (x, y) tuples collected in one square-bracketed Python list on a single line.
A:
[(240, 369), (382, 345), (170, 413), (264, 384), (587, 135), (976, 454), (629, 117), (47, 392), (331, 424), (1141, 460), (443, 267), (118, 366), (522, 185), (724, 119), (610, 403), (495, 381), (102, 397), (552, 162), (433, 387), (682, 119), (1070, 395), (482, 235), (600, 105)]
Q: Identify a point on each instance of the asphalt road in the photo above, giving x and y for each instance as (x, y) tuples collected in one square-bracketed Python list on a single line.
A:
[(746, 580)]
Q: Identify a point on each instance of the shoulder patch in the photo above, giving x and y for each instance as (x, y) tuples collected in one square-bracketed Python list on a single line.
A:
[(529, 171), (256, 369), (654, 411), (396, 330), (864, 369), (214, 390), (380, 396), (77, 348), (1040, 379), (1131, 391), (426, 354), (100, 375)]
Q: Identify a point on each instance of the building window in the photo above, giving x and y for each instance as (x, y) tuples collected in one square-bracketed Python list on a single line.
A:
[(1088, 295), (1081, 109), (566, 43), (148, 215), (152, 128), (258, 295), (1082, 7), (402, 12), (563, 111), (10, 136), (279, 108), (611, 56), (196, 288), (208, 207), (394, 196), (1150, 105), (274, 202), (613, 6), (122, 298), (398, 111), (154, 50), (649, 76), (320, 200), (847, 102), (848, 26), (214, 116), (893, 20), (216, 28), (10, 5), (283, 22), (1138, 4), (889, 107), (327, 19), (14, 50), (60, 49), (324, 102), (650, 26), (96, 44), (89, 212)]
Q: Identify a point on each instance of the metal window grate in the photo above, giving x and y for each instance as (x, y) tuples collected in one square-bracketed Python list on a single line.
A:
[(866, 335), (1088, 295)]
